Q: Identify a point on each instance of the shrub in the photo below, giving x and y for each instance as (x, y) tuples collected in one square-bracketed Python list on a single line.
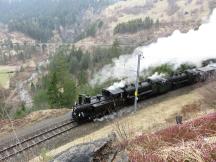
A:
[(21, 112), (136, 25), (148, 147), (41, 99), (139, 156), (184, 67), (164, 69)]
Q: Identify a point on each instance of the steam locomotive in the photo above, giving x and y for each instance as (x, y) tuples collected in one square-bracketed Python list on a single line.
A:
[(89, 108)]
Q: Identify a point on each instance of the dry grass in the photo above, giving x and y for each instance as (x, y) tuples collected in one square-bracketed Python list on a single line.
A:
[(208, 93), (34, 117), (199, 151), (4, 76), (191, 108), (169, 144), (123, 130), (131, 10)]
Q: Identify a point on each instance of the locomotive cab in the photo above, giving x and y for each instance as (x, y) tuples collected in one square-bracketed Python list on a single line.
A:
[(84, 99), (114, 93)]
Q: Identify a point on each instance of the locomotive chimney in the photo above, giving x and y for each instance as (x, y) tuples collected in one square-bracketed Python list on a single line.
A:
[(80, 99), (88, 99), (99, 97)]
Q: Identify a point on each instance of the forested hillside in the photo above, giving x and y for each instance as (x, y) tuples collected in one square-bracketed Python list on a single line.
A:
[(38, 19)]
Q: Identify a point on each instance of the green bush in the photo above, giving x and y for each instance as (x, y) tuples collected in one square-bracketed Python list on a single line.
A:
[(184, 67), (20, 113), (40, 99), (169, 68), (164, 69), (3, 111), (136, 25)]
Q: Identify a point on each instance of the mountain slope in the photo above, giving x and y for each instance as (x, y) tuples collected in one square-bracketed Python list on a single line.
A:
[(171, 15), (38, 19), (93, 22)]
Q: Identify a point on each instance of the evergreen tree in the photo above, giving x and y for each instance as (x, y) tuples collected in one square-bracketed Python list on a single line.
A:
[(68, 75), (134, 25), (69, 93), (53, 93), (59, 65), (116, 51), (82, 78)]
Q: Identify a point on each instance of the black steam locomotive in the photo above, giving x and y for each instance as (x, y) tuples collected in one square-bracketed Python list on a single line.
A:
[(91, 107)]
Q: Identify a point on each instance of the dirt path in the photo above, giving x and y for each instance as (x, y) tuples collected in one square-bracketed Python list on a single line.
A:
[(153, 114)]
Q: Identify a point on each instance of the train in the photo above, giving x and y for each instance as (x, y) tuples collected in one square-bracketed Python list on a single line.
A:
[(89, 108)]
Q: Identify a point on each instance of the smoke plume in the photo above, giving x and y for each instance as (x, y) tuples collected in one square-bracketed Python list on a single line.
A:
[(192, 47)]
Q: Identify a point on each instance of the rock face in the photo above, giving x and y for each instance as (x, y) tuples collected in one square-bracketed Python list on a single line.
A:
[(96, 151), (82, 153), (110, 153)]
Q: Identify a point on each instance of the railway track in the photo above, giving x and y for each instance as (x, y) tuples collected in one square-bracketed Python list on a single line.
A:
[(11, 150)]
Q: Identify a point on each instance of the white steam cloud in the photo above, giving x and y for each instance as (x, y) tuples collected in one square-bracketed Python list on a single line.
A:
[(192, 47), (156, 76), (120, 84)]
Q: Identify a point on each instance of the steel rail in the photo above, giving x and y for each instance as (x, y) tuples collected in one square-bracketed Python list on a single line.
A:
[(46, 135)]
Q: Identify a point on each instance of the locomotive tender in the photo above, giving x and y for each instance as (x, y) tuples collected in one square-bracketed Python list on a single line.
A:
[(89, 108)]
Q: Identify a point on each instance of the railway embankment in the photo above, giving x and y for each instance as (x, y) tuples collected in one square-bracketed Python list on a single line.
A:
[(153, 115), (33, 122), (193, 140)]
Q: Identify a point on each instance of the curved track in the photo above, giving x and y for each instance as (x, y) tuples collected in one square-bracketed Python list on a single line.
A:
[(11, 150)]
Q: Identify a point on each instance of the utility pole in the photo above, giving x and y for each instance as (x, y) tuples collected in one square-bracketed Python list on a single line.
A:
[(137, 83)]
